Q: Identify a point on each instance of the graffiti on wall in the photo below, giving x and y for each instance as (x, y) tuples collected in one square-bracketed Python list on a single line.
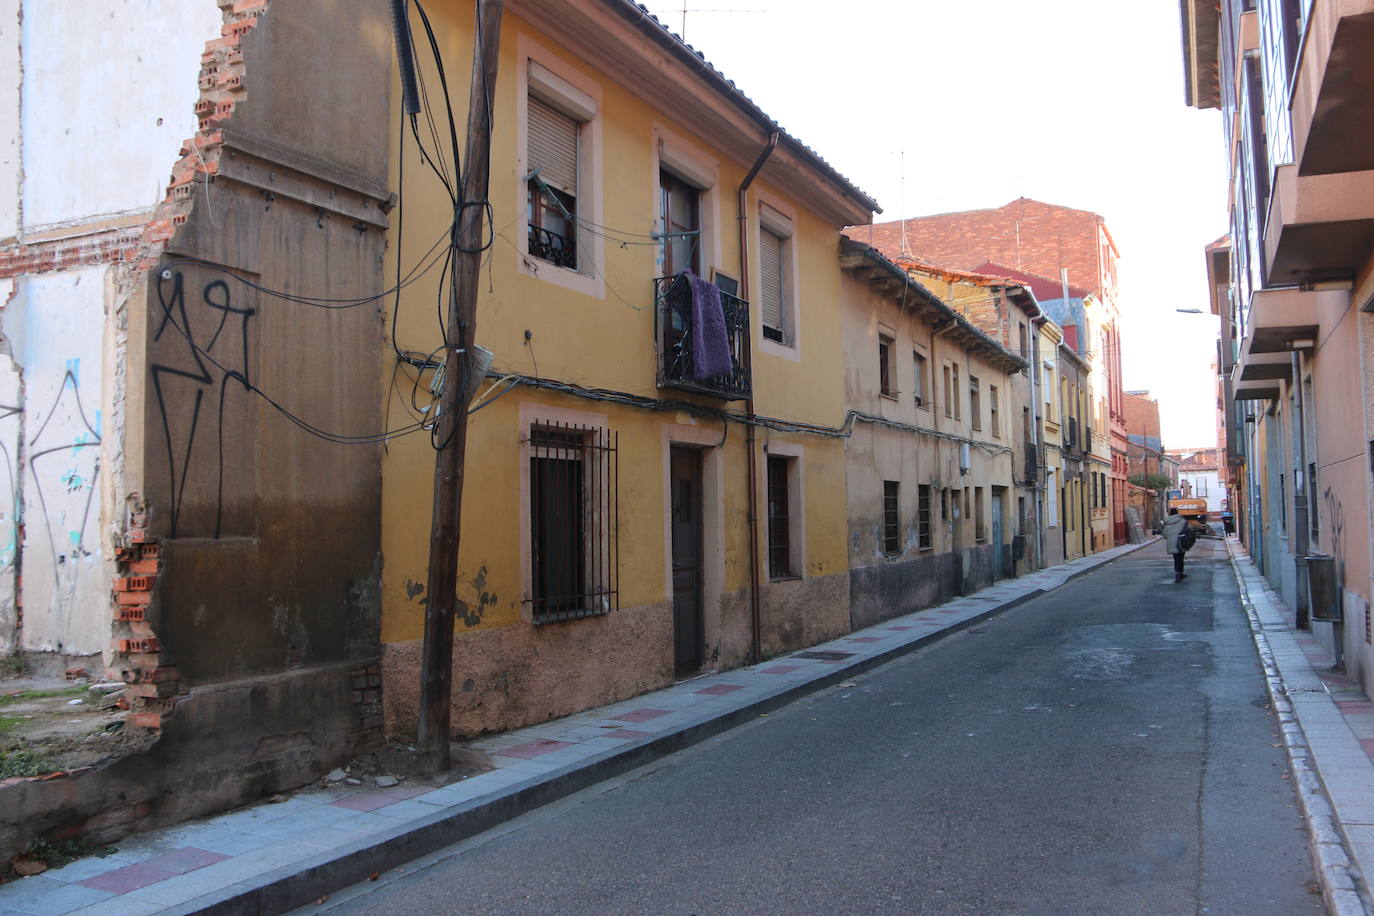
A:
[(200, 375), (63, 456)]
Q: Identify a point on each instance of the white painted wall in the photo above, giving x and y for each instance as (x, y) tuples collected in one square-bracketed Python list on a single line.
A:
[(11, 496), (109, 88), (55, 328), (9, 118), (1205, 485)]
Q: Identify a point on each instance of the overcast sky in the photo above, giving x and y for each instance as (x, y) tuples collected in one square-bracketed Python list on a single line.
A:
[(932, 106)]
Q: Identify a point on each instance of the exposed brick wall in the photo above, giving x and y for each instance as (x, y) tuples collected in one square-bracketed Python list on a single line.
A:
[(1142, 416), (1027, 234), (366, 685), (105, 247)]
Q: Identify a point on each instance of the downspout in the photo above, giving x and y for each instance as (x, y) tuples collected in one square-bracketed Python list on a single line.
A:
[(1038, 443), (751, 437), (1300, 497)]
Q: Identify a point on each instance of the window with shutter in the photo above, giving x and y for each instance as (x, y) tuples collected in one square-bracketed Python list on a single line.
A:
[(771, 283), (552, 158)]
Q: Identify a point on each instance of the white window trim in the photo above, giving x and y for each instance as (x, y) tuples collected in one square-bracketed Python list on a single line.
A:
[(672, 153), (532, 415), (780, 218), (542, 72), (796, 506)]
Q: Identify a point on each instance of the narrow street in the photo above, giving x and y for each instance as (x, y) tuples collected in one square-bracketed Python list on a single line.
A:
[(1106, 748)]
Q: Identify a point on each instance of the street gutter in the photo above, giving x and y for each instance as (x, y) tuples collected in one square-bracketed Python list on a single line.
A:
[(1337, 875)]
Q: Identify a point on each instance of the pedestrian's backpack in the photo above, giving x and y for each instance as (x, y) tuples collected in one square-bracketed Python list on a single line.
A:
[(1187, 537)]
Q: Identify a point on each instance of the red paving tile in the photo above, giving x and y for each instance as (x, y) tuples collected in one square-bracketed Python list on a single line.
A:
[(865, 639), (151, 871), (642, 715), (901, 628), (1368, 745), (371, 801), (188, 858), (128, 878), (531, 749), (717, 690), (780, 669)]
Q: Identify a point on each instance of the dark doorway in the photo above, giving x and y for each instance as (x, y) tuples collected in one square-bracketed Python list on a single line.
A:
[(688, 630)]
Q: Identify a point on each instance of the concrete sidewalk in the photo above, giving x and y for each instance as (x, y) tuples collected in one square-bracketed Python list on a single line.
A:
[(271, 858), (1327, 725)]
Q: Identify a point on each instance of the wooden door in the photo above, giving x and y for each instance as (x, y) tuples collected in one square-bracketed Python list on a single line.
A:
[(688, 629)]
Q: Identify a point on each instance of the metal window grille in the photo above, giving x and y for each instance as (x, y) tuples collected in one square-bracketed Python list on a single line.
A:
[(892, 535), (779, 522), (923, 515), (574, 547)]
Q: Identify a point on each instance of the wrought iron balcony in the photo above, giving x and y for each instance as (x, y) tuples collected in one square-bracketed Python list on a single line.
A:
[(553, 247), (673, 331)]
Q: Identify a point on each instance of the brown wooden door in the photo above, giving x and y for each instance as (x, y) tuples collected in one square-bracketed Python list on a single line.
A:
[(685, 486)]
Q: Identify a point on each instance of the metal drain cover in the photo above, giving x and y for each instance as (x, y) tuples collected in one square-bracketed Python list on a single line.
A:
[(824, 655)]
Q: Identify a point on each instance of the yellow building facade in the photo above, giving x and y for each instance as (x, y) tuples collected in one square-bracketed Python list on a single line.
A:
[(625, 522)]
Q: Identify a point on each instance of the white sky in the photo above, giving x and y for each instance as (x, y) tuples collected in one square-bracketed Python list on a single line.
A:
[(978, 102)]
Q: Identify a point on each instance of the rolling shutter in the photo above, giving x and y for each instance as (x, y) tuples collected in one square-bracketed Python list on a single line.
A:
[(770, 279), (553, 146)]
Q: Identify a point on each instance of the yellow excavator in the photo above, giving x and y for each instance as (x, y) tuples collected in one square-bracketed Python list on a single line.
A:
[(1194, 510)]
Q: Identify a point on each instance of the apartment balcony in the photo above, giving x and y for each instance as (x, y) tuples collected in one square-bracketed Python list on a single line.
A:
[(1320, 228), (1333, 95), (1280, 322), (673, 335)]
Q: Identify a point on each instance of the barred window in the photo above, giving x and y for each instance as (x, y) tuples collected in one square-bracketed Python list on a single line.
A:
[(923, 516), (892, 532), (574, 553)]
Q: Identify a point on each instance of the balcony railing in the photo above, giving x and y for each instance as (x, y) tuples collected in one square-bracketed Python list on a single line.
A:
[(673, 308), (551, 246)]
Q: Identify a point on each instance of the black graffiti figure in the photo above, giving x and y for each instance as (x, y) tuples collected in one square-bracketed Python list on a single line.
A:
[(211, 369)]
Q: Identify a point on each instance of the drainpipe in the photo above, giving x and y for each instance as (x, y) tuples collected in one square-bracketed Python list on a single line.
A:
[(1300, 496), (751, 437), (1038, 443)]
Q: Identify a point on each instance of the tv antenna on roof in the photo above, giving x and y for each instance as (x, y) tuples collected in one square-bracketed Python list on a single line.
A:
[(685, 10)]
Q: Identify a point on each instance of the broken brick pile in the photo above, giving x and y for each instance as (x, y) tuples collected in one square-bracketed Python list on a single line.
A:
[(151, 676)]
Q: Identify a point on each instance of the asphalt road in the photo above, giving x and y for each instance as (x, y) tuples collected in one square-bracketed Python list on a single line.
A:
[(1102, 749)]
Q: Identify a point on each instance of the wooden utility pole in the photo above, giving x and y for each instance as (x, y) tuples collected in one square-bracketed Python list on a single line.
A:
[(436, 671)]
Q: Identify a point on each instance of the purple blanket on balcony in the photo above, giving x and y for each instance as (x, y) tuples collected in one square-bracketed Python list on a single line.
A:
[(710, 340)]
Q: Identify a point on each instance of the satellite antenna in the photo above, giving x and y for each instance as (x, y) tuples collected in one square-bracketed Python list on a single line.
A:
[(686, 9)]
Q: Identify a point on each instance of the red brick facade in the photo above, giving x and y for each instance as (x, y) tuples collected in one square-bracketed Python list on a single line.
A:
[(1025, 234)]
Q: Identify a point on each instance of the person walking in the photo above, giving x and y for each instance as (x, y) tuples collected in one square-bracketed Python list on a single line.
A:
[(1174, 526)]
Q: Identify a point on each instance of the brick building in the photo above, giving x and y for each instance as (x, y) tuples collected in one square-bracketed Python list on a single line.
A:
[(1048, 241)]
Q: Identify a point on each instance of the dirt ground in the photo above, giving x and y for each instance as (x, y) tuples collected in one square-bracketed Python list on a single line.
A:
[(50, 724)]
